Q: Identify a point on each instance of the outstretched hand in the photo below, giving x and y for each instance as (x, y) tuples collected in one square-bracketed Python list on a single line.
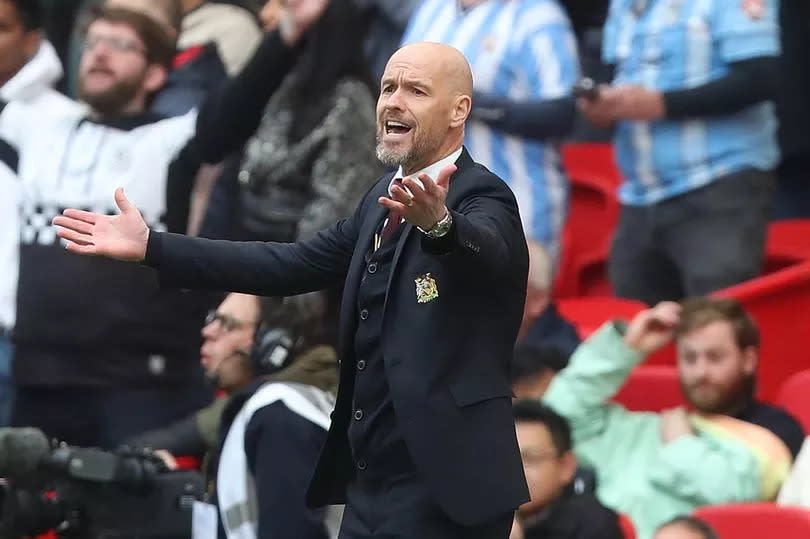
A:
[(422, 204), (122, 236)]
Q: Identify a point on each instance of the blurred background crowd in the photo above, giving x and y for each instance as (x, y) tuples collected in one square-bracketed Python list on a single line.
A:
[(659, 150)]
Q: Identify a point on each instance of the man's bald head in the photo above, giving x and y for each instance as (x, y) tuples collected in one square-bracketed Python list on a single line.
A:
[(425, 99), (446, 62)]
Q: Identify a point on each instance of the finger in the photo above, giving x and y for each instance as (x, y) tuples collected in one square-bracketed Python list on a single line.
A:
[(420, 195), (443, 180), (122, 202), (398, 207), (81, 249), (73, 224), (401, 195), (72, 235), (429, 186), (81, 215)]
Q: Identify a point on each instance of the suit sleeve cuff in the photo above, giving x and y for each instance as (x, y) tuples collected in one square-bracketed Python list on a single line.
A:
[(154, 249), (444, 245)]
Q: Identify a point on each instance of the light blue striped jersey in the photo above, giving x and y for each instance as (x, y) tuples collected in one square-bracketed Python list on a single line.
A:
[(523, 50), (679, 44)]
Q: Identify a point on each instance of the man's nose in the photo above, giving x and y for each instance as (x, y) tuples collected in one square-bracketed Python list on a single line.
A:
[(395, 100), (209, 331)]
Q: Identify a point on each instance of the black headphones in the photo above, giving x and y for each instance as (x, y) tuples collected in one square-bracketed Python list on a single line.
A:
[(272, 350)]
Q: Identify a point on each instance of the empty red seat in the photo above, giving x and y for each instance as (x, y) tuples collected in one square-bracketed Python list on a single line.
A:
[(757, 521), (651, 388), (593, 209), (588, 313), (794, 396), (788, 243)]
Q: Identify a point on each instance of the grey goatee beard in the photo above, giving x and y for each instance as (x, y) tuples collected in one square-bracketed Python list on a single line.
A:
[(420, 148)]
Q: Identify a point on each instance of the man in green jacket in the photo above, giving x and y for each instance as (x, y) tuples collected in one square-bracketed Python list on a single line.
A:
[(728, 448)]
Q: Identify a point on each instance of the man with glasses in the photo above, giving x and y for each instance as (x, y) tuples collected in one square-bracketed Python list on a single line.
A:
[(100, 352), (555, 511)]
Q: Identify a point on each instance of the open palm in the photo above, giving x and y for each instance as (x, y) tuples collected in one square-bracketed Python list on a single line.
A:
[(122, 236)]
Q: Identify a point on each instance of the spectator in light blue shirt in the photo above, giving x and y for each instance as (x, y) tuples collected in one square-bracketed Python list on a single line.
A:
[(695, 141), (523, 56)]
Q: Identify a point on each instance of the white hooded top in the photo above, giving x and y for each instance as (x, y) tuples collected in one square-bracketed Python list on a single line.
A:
[(32, 84)]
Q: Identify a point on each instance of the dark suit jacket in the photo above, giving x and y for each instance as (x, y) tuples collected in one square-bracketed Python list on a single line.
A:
[(447, 359)]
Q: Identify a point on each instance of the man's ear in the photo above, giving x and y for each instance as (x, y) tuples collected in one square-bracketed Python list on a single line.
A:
[(568, 467), (155, 78), (31, 42), (750, 360), (460, 111)]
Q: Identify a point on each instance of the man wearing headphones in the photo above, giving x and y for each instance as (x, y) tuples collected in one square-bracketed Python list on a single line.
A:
[(273, 429), (270, 356)]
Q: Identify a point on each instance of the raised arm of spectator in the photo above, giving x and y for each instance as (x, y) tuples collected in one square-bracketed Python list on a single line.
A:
[(601, 365), (581, 391), (551, 68), (230, 115)]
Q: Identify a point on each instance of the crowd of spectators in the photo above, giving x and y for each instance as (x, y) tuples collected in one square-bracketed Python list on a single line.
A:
[(187, 106)]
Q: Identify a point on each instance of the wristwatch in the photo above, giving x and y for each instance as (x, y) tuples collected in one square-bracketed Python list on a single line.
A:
[(441, 228)]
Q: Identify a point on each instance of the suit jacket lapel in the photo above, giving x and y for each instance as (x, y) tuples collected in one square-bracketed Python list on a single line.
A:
[(370, 224)]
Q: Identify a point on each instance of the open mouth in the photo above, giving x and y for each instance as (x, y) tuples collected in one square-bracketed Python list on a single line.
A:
[(393, 127)]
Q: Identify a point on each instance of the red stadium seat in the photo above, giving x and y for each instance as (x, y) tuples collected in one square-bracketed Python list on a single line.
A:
[(794, 396), (780, 304), (627, 527), (651, 388), (188, 463), (588, 313), (788, 243), (593, 210), (757, 521)]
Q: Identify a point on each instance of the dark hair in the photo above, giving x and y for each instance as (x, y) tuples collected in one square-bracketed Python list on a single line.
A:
[(333, 50), (693, 524), (530, 360), (160, 47), (702, 311), (532, 411), (304, 316), (30, 14)]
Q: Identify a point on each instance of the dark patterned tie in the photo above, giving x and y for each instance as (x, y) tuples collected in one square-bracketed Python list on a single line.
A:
[(394, 219)]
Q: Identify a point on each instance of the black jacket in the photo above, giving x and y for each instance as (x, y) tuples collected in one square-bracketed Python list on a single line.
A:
[(574, 517), (447, 359)]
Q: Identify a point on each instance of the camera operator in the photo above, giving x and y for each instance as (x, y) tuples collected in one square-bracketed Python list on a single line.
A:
[(274, 420)]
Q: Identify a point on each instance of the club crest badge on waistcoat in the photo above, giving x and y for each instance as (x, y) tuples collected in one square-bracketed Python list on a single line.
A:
[(426, 289)]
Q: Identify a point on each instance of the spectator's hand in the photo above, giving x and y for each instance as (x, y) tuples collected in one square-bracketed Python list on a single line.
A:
[(421, 206), (635, 103), (517, 529), (675, 424), (600, 111), (653, 328), (271, 14), (298, 16), (121, 236), (167, 458)]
